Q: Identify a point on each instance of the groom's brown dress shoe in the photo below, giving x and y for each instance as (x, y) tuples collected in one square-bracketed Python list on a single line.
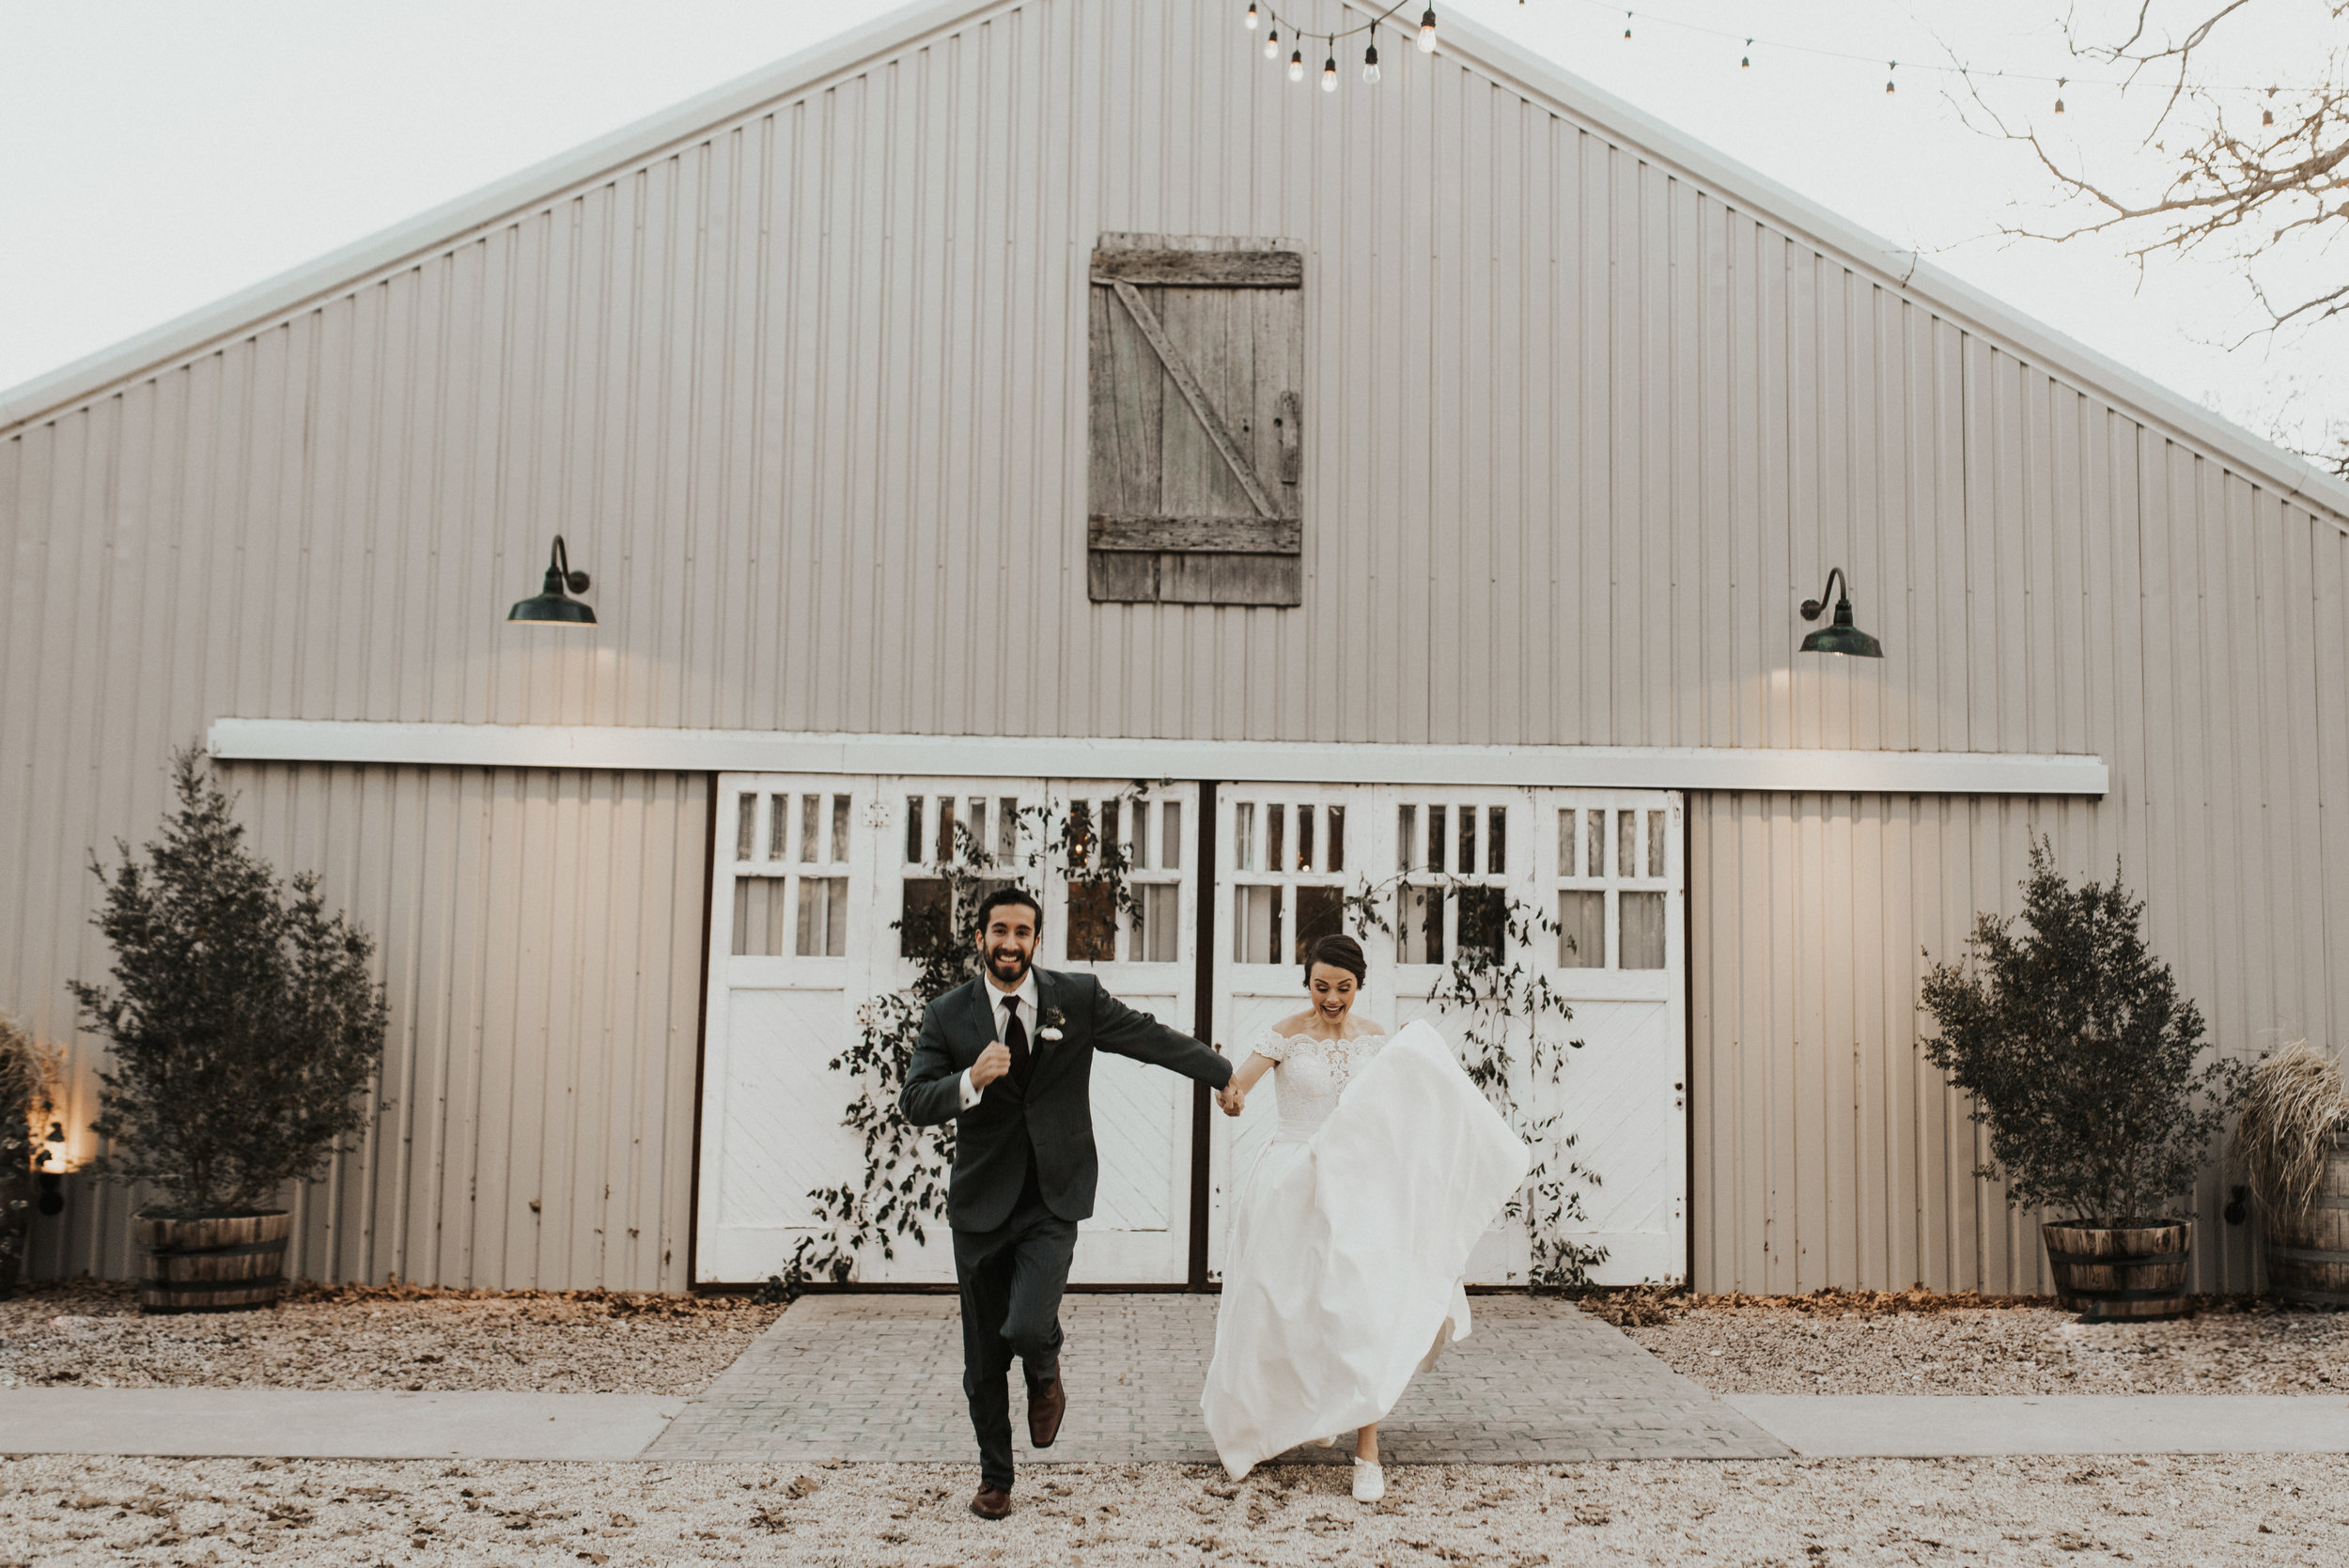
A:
[(1045, 1406), (993, 1502)]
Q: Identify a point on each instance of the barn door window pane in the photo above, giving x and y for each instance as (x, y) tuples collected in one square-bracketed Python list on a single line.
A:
[(1568, 837), (1244, 835), (1006, 830), (1334, 820), (1304, 839), (1320, 913), (1496, 839), (945, 829), (1256, 931), (1485, 921), (1111, 836), (1595, 844), (1468, 840), (974, 828), (1656, 844), (810, 805), (922, 923), (913, 830), (1434, 838), (1626, 844), (1642, 917), (1406, 837), (1162, 911), (1275, 846), (746, 827), (840, 830), (1581, 929), (823, 914), (1092, 922), (759, 907), (1419, 929), (1171, 836)]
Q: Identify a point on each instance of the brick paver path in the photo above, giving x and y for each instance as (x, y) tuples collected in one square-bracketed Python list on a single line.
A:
[(880, 1377)]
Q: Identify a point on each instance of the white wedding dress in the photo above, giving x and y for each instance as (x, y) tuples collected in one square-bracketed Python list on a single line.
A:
[(1343, 1274)]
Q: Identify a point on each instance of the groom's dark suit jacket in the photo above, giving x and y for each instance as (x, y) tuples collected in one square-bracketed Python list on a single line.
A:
[(1053, 1114)]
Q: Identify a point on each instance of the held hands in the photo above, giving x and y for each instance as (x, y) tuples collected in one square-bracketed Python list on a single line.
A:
[(1232, 1100), (993, 1062)]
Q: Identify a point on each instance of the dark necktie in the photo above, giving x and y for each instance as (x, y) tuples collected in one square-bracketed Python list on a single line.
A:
[(1016, 1040)]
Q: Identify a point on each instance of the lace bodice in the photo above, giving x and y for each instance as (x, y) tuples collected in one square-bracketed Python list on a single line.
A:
[(1309, 1073)]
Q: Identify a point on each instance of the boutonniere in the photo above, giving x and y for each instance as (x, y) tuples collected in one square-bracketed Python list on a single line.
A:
[(1053, 1019)]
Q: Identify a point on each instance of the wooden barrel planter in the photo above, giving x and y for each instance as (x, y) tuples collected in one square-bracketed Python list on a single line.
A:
[(2307, 1253), (212, 1265), (2134, 1272)]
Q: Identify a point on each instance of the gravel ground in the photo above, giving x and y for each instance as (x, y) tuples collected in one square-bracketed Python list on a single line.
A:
[(1861, 1343), (2212, 1513), (92, 1334)]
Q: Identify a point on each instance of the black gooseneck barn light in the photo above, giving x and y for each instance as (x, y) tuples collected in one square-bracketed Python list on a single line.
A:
[(1839, 635), (550, 605)]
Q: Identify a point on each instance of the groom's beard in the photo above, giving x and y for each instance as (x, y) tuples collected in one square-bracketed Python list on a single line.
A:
[(1008, 966)]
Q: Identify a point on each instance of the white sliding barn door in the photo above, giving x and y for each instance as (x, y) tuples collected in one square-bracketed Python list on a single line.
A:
[(804, 930), (1441, 866)]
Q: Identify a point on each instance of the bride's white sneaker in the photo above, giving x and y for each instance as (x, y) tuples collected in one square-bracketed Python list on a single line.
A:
[(1370, 1482), (1324, 1442)]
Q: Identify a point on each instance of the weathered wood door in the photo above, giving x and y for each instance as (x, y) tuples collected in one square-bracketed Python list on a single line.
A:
[(813, 877), (1196, 404), (1604, 867)]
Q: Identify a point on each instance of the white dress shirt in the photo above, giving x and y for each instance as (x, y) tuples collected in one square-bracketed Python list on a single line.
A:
[(995, 999)]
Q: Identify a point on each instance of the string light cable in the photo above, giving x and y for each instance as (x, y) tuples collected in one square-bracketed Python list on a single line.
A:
[(1261, 12), (1748, 46)]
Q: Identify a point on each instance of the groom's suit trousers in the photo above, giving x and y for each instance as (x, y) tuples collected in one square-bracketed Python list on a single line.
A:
[(1012, 1278)]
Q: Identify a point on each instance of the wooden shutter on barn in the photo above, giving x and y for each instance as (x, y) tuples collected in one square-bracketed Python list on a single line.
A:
[(1198, 361)]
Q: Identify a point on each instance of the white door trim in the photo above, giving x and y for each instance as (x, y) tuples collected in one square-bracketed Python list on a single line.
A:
[(624, 747)]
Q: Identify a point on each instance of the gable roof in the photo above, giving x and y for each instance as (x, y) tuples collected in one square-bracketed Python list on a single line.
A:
[(1506, 63)]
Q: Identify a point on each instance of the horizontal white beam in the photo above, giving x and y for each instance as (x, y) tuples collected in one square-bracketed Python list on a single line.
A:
[(615, 748)]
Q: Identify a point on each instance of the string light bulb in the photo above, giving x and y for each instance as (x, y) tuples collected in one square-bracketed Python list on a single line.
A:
[(1272, 44), (2060, 82), (1369, 63), (1745, 62), (1296, 65), (1890, 65), (1250, 20), (1427, 31), (1330, 70), (2267, 117)]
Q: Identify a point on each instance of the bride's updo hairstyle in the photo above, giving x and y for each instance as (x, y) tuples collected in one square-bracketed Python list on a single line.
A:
[(1340, 952)]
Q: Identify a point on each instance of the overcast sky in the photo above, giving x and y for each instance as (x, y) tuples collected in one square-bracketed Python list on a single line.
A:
[(164, 153)]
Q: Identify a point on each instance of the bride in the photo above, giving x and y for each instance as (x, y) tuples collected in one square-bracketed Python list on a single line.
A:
[(1344, 1275)]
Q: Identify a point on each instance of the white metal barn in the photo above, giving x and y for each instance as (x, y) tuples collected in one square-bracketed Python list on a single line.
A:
[(1015, 399)]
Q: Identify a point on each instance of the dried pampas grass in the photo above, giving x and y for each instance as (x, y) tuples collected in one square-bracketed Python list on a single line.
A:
[(2296, 1105), (29, 1072)]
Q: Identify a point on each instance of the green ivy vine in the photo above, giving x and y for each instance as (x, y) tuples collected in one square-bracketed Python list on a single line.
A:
[(902, 1188)]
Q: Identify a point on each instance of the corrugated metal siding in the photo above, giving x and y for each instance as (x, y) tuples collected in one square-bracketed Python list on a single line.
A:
[(805, 394), (540, 936)]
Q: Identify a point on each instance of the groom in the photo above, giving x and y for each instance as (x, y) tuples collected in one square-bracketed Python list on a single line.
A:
[(1007, 1056)]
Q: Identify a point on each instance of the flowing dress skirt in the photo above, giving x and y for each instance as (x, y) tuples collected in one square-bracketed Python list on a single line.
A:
[(1343, 1274)]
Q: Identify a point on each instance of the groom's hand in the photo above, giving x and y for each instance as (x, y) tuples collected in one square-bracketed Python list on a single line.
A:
[(993, 1062)]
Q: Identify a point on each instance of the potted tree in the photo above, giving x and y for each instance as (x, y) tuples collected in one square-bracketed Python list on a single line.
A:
[(244, 1026), (29, 1089), (2079, 1055)]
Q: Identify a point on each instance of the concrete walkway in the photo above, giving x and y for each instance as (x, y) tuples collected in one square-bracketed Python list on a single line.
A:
[(1936, 1426), (316, 1423), (878, 1378)]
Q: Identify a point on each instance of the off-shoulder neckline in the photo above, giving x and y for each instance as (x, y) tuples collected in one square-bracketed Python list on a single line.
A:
[(1279, 1034)]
